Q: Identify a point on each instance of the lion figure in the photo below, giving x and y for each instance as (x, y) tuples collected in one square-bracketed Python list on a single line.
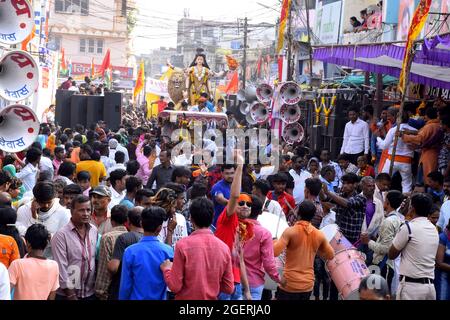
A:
[(176, 86)]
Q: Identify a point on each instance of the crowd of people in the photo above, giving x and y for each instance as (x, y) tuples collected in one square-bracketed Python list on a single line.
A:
[(87, 214)]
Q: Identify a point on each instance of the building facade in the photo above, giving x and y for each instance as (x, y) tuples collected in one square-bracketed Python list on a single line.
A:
[(86, 29)]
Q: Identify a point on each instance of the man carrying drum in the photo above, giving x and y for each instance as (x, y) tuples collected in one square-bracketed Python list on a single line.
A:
[(302, 242)]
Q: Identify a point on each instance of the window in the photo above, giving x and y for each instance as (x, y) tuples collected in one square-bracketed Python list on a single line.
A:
[(94, 46), (72, 6), (124, 8), (54, 43), (99, 46), (91, 45), (82, 45)]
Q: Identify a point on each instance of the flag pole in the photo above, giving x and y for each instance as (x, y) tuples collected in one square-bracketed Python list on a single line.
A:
[(409, 62)]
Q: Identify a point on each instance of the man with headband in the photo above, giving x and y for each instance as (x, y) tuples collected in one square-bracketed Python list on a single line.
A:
[(234, 229)]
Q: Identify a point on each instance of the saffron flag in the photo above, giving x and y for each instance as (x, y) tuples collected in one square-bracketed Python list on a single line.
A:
[(140, 82), (63, 64), (285, 9), (232, 87), (92, 69), (31, 35), (417, 23)]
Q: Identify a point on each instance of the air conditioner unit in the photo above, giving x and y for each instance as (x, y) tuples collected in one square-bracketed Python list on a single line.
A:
[(73, 9)]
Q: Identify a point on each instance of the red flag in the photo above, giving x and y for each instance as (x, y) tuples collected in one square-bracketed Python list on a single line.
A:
[(258, 67), (232, 87), (106, 64)]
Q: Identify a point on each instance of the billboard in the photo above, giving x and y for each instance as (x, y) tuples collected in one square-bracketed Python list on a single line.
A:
[(328, 22), (405, 14)]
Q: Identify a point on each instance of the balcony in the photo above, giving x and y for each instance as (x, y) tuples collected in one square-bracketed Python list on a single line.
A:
[(368, 36)]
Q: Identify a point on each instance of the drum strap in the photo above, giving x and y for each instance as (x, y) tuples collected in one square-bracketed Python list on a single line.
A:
[(409, 230)]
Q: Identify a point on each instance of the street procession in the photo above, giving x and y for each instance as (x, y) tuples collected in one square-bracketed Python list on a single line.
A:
[(234, 151)]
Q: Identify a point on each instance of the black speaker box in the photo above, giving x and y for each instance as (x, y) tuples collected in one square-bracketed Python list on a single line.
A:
[(112, 110), (63, 108), (94, 109), (78, 110)]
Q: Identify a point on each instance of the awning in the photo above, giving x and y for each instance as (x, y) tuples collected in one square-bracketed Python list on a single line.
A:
[(431, 65)]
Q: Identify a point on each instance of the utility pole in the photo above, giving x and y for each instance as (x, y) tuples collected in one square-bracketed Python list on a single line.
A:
[(244, 60), (289, 58), (310, 47)]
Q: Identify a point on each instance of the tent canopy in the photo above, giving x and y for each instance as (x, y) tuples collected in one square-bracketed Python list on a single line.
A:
[(431, 65)]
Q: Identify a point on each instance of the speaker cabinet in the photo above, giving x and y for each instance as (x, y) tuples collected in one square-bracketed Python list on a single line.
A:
[(94, 109), (78, 110), (112, 110), (63, 108)]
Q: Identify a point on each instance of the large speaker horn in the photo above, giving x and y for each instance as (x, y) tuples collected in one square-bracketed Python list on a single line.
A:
[(244, 108), (16, 21), (250, 94), (19, 127), (241, 95), (290, 93), (249, 119), (264, 92), (259, 112), (293, 133), (290, 113), (19, 76)]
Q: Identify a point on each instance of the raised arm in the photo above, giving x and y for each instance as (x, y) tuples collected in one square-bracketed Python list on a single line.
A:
[(236, 185)]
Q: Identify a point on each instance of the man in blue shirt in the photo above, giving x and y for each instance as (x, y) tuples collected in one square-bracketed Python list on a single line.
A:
[(142, 278), (208, 103), (220, 192)]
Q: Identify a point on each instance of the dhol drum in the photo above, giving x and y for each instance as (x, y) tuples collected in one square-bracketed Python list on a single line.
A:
[(346, 270), (336, 239), (276, 225)]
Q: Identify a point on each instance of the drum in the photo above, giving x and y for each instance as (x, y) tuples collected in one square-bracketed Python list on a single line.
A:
[(336, 239), (346, 270)]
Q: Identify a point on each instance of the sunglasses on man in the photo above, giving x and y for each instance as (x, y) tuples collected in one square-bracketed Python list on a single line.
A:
[(242, 203)]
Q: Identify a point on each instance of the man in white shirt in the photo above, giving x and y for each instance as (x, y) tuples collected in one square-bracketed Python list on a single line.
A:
[(417, 241), (325, 161), (403, 156), (444, 216), (114, 146), (300, 177), (356, 137), (5, 291), (117, 179), (45, 164), (28, 174), (260, 189), (44, 209)]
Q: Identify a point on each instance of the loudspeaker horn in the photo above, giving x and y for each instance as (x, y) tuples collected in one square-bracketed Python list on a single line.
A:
[(241, 95), (259, 112), (250, 94), (290, 114), (264, 92), (290, 93), (293, 133), (19, 76), (244, 108), (19, 128), (16, 22), (249, 119)]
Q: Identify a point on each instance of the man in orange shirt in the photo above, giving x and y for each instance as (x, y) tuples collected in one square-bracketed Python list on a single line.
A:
[(9, 251), (303, 242), (429, 138)]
